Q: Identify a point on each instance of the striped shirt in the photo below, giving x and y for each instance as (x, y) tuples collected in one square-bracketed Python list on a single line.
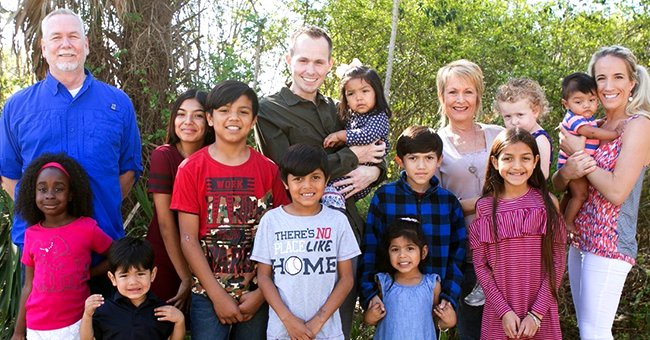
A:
[(509, 264), (572, 122), (443, 224)]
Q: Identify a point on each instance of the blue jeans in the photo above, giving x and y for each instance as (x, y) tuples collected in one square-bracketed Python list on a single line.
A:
[(206, 326), (469, 318)]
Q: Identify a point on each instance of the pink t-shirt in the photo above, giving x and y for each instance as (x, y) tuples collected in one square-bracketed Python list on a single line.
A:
[(61, 260)]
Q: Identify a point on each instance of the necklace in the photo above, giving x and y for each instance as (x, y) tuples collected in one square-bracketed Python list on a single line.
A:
[(463, 146)]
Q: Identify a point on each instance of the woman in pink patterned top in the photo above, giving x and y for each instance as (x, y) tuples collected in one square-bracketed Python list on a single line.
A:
[(518, 239), (603, 250)]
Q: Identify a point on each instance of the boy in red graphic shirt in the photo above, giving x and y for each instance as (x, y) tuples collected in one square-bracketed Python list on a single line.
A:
[(220, 194)]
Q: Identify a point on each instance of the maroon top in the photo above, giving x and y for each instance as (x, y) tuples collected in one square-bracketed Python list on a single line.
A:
[(164, 162)]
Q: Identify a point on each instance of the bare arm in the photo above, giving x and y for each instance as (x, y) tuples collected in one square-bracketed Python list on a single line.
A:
[(224, 305), (544, 154), (127, 180), (9, 185), (341, 289), (635, 154), (20, 330), (171, 238), (593, 132), (86, 331)]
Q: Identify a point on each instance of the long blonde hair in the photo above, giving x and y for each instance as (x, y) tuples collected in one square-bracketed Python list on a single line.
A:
[(465, 70), (640, 103)]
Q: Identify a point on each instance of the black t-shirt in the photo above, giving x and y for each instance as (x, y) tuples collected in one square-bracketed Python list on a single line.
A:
[(120, 319)]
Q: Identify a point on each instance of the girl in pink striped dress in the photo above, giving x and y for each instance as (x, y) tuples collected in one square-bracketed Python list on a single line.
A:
[(519, 241)]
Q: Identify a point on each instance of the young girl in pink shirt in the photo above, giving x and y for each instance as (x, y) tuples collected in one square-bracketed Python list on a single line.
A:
[(55, 199)]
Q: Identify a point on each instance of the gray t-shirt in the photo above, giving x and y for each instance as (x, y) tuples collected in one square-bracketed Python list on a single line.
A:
[(304, 252)]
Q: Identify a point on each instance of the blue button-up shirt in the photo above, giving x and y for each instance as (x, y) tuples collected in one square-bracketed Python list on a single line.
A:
[(97, 128)]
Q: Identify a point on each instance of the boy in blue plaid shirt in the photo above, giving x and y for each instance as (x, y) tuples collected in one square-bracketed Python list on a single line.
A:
[(417, 194)]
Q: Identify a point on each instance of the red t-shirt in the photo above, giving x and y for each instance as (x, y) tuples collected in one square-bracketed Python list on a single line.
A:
[(229, 201)]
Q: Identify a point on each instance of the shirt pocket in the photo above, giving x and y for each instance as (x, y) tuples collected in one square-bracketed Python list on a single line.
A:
[(103, 137)]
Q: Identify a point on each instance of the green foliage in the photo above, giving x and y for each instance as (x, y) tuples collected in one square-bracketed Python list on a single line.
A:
[(9, 269)]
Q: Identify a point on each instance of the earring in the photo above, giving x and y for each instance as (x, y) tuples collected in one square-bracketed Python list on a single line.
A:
[(629, 99)]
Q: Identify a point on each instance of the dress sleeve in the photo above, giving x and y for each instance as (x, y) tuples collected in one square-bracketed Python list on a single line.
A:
[(545, 296), (484, 274), (161, 176), (375, 127)]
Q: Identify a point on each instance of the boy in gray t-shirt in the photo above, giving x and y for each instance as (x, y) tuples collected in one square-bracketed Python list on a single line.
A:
[(304, 250)]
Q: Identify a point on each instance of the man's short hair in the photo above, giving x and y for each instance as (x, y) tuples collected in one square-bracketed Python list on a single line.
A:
[(314, 32), (62, 11), (130, 252), (418, 139), (302, 159)]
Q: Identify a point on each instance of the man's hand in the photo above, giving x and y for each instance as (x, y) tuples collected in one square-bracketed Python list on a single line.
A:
[(371, 153), (357, 180)]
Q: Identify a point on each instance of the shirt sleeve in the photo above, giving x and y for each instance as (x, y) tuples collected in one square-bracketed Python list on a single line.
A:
[(451, 285), (130, 148), (347, 244), (367, 262), (161, 179), (574, 123), (280, 196), (100, 241), (27, 258), (185, 193), (375, 127), (10, 159)]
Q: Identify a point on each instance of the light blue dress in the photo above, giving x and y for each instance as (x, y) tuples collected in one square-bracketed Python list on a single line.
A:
[(409, 309)]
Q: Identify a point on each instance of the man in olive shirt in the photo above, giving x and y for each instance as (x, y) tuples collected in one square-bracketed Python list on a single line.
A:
[(300, 114)]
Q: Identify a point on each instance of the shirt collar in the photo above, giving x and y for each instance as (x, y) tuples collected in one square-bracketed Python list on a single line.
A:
[(433, 181), (293, 99), (52, 84), (121, 299)]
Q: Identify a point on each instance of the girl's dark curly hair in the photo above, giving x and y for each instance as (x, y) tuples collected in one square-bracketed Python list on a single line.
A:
[(80, 192)]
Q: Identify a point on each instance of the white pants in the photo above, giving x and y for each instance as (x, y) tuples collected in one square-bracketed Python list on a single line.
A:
[(66, 333), (596, 286)]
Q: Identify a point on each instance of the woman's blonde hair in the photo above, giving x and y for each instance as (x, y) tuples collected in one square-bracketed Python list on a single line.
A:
[(640, 103), (517, 89), (465, 70)]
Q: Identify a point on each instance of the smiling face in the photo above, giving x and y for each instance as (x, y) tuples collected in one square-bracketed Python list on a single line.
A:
[(232, 122), (420, 168), (519, 114), (133, 283), (581, 104), (614, 83), (460, 99), (64, 44), (360, 95), (190, 122), (306, 192), (53, 194), (515, 165), (405, 255), (309, 65)]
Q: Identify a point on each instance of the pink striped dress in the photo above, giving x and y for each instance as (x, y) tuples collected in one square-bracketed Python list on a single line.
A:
[(509, 265)]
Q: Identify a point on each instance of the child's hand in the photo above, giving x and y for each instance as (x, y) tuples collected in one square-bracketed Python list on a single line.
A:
[(374, 313), (315, 324), (92, 303), (528, 328), (250, 303), (446, 313), (334, 139), (169, 313), (510, 322), (297, 328), (227, 310)]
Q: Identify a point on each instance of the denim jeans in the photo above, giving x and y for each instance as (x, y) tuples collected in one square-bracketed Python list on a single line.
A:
[(469, 318), (206, 326)]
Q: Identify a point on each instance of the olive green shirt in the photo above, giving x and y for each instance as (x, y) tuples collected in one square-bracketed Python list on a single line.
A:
[(286, 119)]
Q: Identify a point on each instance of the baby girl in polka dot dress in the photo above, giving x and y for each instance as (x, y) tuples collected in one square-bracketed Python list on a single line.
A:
[(364, 110)]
